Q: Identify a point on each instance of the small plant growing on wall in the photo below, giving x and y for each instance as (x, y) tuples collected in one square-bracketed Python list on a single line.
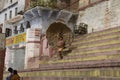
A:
[(44, 3)]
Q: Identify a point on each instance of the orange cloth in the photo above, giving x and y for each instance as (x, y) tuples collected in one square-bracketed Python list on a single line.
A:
[(15, 77), (60, 49)]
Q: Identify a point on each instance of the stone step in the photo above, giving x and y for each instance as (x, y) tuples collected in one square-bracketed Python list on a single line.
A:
[(70, 78), (87, 37), (115, 52), (92, 48), (94, 56), (89, 58), (97, 34), (108, 46), (109, 73), (81, 65), (86, 61), (100, 38), (95, 46), (95, 51), (100, 50)]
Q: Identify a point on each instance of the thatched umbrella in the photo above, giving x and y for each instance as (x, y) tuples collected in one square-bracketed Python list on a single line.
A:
[(58, 28)]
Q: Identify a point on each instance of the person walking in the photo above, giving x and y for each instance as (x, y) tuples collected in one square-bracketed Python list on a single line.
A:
[(10, 70), (15, 75)]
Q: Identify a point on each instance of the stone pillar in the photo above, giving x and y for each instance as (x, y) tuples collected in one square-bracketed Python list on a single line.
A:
[(32, 48)]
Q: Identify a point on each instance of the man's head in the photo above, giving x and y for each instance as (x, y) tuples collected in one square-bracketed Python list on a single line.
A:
[(10, 69), (14, 71)]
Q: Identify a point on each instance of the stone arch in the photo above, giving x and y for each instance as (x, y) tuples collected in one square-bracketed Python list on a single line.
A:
[(53, 31)]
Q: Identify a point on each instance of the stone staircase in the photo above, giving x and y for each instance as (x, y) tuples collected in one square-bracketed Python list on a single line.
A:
[(98, 48), (94, 56)]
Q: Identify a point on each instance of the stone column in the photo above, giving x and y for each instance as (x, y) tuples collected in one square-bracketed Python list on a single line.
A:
[(32, 48)]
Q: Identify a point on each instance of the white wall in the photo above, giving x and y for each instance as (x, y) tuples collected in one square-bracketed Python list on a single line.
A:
[(101, 16), (20, 6), (7, 2)]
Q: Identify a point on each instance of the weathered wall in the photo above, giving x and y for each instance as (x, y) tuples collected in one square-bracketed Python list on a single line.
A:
[(101, 16), (15, 58), (19, 59), (32, 48)]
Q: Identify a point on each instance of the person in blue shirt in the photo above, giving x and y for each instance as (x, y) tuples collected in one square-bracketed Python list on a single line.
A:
[(10, 70)]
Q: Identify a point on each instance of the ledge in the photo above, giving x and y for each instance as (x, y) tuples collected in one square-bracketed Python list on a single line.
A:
[(15, 19)]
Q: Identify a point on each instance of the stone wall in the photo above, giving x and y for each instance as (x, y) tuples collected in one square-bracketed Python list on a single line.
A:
[(102, 15), (15, 58)]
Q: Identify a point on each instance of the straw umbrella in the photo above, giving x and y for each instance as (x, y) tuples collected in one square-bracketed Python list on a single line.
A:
[(57, 29)]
